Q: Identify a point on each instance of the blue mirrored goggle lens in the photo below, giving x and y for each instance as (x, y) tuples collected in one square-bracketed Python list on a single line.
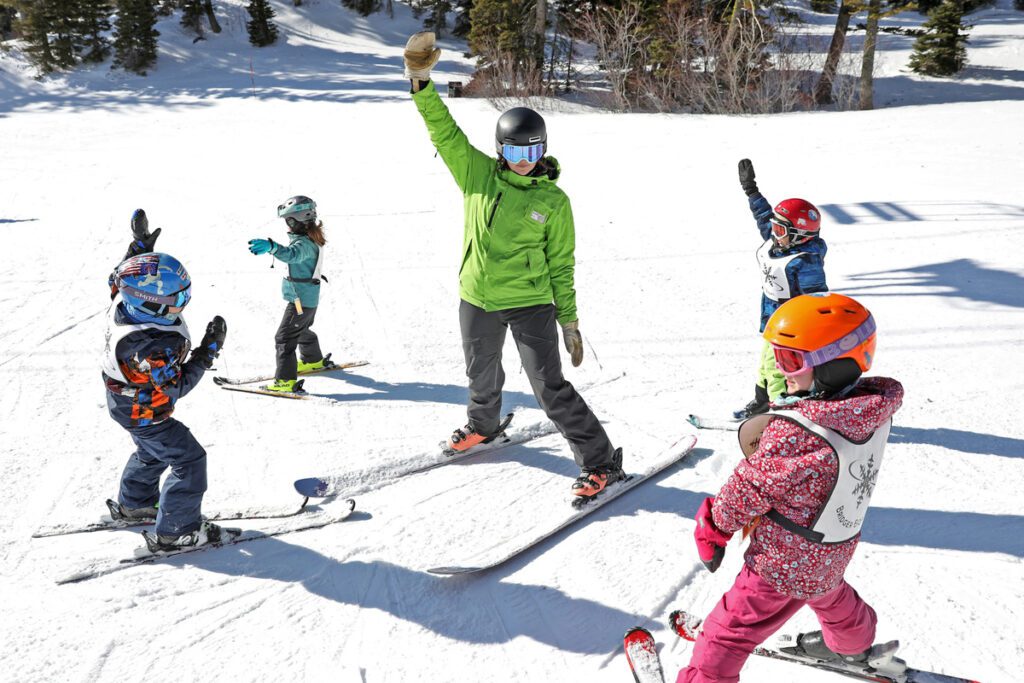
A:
[(183, 297), (513, 154)]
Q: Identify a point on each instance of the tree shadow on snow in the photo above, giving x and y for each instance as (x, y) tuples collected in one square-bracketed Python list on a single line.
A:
[(958, 440), (962, 278), (470, 610), (882, 214), (420, 392)]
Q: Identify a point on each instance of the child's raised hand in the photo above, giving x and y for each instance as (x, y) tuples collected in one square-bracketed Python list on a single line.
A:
[(747, 177)]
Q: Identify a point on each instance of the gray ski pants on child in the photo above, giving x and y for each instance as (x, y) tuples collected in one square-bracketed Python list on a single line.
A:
[(535, 331)]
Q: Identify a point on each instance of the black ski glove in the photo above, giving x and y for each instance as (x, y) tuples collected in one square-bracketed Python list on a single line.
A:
[(144, 239), (213, 341), (747, 177)]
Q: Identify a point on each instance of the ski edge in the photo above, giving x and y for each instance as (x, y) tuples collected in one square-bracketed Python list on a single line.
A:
[(128, 563), (230, 381), (632, 482)]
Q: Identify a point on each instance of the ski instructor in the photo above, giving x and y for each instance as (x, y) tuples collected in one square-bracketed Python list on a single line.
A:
[(517, 272)]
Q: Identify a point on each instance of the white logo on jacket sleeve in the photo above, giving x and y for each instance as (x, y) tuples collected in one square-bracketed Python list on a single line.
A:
[(538, 216)]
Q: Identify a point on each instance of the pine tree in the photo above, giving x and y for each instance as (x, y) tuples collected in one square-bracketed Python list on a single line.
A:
[(34, 26), (192, 16), (63, 28), (262, 31), (463, 25), (437, 14), (7, 14), (364, 7), (942, 51), (135, 35), (502, 28), (94, 22)]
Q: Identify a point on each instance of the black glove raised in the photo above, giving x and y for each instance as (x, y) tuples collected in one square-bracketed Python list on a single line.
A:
[(747, 177), (213, 341), (144, 239)]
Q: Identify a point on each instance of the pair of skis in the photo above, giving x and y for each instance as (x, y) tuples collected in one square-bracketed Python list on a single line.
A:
[(238, 384), (883, 666), (312, 517), (498, 553)]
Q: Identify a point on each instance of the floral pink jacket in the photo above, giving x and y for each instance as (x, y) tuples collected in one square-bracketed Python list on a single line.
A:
[(793, 471)]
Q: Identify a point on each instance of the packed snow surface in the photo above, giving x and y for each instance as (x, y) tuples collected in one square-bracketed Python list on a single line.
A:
[(924, 217)]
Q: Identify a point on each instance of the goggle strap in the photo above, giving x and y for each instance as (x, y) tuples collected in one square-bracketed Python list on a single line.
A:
[(838, 348), (170, 300)]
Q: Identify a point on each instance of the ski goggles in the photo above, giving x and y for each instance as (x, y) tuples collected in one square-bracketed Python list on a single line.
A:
[(178, 300), (796, 361), (282, 209), (513, 154), (780, 226)]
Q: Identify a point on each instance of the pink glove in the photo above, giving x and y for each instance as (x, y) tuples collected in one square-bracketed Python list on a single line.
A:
[(711, 540)]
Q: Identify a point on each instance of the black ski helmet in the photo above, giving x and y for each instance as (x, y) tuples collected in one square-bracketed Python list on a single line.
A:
[(520, 126)]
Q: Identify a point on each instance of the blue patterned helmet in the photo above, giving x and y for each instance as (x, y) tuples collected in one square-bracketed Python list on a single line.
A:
[(298, 212), (154, 287)]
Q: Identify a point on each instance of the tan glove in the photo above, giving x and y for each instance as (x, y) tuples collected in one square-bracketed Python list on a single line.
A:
[(420, 56), (573, 341)]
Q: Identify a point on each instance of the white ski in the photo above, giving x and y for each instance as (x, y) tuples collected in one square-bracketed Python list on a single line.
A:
[(497, 554)]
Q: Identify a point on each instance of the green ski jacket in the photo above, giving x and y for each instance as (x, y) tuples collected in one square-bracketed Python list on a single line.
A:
[(519, 242)]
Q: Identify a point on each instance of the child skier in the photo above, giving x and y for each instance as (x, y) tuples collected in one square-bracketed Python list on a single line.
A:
[(517, 272), (804, 488), (146, 372), (792, 262), (301, 289)]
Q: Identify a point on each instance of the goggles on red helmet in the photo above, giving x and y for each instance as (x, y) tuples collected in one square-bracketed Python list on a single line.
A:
[(797, 361), (513, 154), (783, 226)]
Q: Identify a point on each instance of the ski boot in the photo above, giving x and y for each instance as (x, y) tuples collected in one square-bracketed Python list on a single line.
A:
[(207, 533), (593, 480), (286, 386), (758, 405), (324, 363), (465, 438), (876, 659), (119, 513)]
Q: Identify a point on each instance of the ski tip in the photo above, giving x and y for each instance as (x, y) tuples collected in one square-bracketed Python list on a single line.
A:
[(637, 632), (314, 487), (451, 571), (685, 625), (351, 503), (220, 381)]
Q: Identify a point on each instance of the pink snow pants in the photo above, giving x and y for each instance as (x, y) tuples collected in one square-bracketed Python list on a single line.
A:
[(752, 611)]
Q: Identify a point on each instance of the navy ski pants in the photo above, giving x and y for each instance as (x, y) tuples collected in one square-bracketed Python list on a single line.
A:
[(167, 444)]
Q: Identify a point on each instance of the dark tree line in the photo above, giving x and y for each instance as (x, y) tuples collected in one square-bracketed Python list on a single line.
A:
[(61, 34), (726, 56)]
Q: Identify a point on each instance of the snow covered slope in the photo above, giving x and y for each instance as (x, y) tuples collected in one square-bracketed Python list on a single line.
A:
[(924, 218)]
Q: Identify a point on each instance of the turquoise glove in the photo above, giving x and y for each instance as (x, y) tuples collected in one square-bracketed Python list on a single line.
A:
[(258, 246)]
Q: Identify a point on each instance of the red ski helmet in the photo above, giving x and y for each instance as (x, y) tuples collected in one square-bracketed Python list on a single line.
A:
[(797, 218)]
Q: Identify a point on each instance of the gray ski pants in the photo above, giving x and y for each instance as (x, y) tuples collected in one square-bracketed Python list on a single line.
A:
[(535, 331)]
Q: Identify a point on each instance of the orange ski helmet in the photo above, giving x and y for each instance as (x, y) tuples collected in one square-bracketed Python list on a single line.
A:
[(813, 329)]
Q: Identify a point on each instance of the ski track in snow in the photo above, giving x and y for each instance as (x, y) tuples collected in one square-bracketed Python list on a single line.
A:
[(926, 232)]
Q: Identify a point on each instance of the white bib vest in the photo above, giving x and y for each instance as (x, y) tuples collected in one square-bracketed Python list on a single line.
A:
[(842, 515), (773, 272), (116, 332)]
